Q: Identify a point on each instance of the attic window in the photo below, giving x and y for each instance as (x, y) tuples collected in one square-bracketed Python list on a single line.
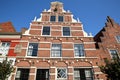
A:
[(53, 18)]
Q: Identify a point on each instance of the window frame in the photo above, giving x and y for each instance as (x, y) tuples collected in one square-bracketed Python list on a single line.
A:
[(45, 70), (22, 73), (83, 73), (118, 38), (51, 18), (60, 18), (61, 78), (60, 50), (31, 51), (81, 49), (116, 54), (46, 32), (66, 31)]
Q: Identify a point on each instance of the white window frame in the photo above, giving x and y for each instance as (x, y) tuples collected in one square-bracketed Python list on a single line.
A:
[(67, 35), (111, 54), (42, 31), (28, 48), (118, 38), (60, 50), (57, 73), (79, 53)]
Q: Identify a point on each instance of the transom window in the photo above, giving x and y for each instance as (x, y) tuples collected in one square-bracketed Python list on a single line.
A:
[(56, 50), (32, 49), (60, 18), (46, 31), (42, 74), (22, 74), (61, 73), (83, 74), (114, 53), (79, 50), (66, 31), (118, 38), (53, 18)]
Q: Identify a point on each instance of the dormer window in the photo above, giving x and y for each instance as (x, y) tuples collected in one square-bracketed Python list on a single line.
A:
[(53, 18), (60, 18)]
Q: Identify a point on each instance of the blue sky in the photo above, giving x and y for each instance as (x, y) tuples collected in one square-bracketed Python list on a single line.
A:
[(92, 13)]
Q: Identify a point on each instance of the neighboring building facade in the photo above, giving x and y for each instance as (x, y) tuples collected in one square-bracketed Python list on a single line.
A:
[(56, 47), (9, 40)]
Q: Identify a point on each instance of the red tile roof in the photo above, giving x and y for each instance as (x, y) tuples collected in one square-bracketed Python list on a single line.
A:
[(7, 27)]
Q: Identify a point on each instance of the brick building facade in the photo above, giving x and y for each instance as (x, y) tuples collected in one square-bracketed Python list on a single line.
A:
[(56, 47)]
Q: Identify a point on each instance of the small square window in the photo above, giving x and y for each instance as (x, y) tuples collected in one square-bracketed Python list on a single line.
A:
[(61, 73), (53, 18), (46, 31), (60, 18), (118, 38), (66, 31)]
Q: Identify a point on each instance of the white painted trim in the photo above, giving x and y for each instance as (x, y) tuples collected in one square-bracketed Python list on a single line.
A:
[(10, 36), (89, 49), (98, 73), (70, 73)]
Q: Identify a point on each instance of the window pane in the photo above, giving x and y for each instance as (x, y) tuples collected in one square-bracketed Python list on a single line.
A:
[(56, 50), (114, 53), (61, 73), (46, 31), (32, 49), (42, 74), (66, 31), (22, 74), (118, 39), (60, 18), (53, 18), (79, 50)]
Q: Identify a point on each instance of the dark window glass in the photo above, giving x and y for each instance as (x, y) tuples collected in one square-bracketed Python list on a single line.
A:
[(60, 18), (22, 74), (79, 50), (32, 49), (53, 18), (42, 74), (46, 31), (66, 31), (83, 74)]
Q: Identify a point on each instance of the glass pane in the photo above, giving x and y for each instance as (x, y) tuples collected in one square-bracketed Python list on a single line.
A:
[(61, 73), (60, 18), (53, 18), (46, 31), (66, 31)]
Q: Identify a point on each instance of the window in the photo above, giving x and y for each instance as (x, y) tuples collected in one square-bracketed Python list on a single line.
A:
[(4, 48), (42, 74), (60, 18), (118, 39), (83, 74), (22, 74), (114, 53), (56, 50), (46, 31), (66, 31), (61, 73), (79, 50), (53, 18), (32, 49)]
